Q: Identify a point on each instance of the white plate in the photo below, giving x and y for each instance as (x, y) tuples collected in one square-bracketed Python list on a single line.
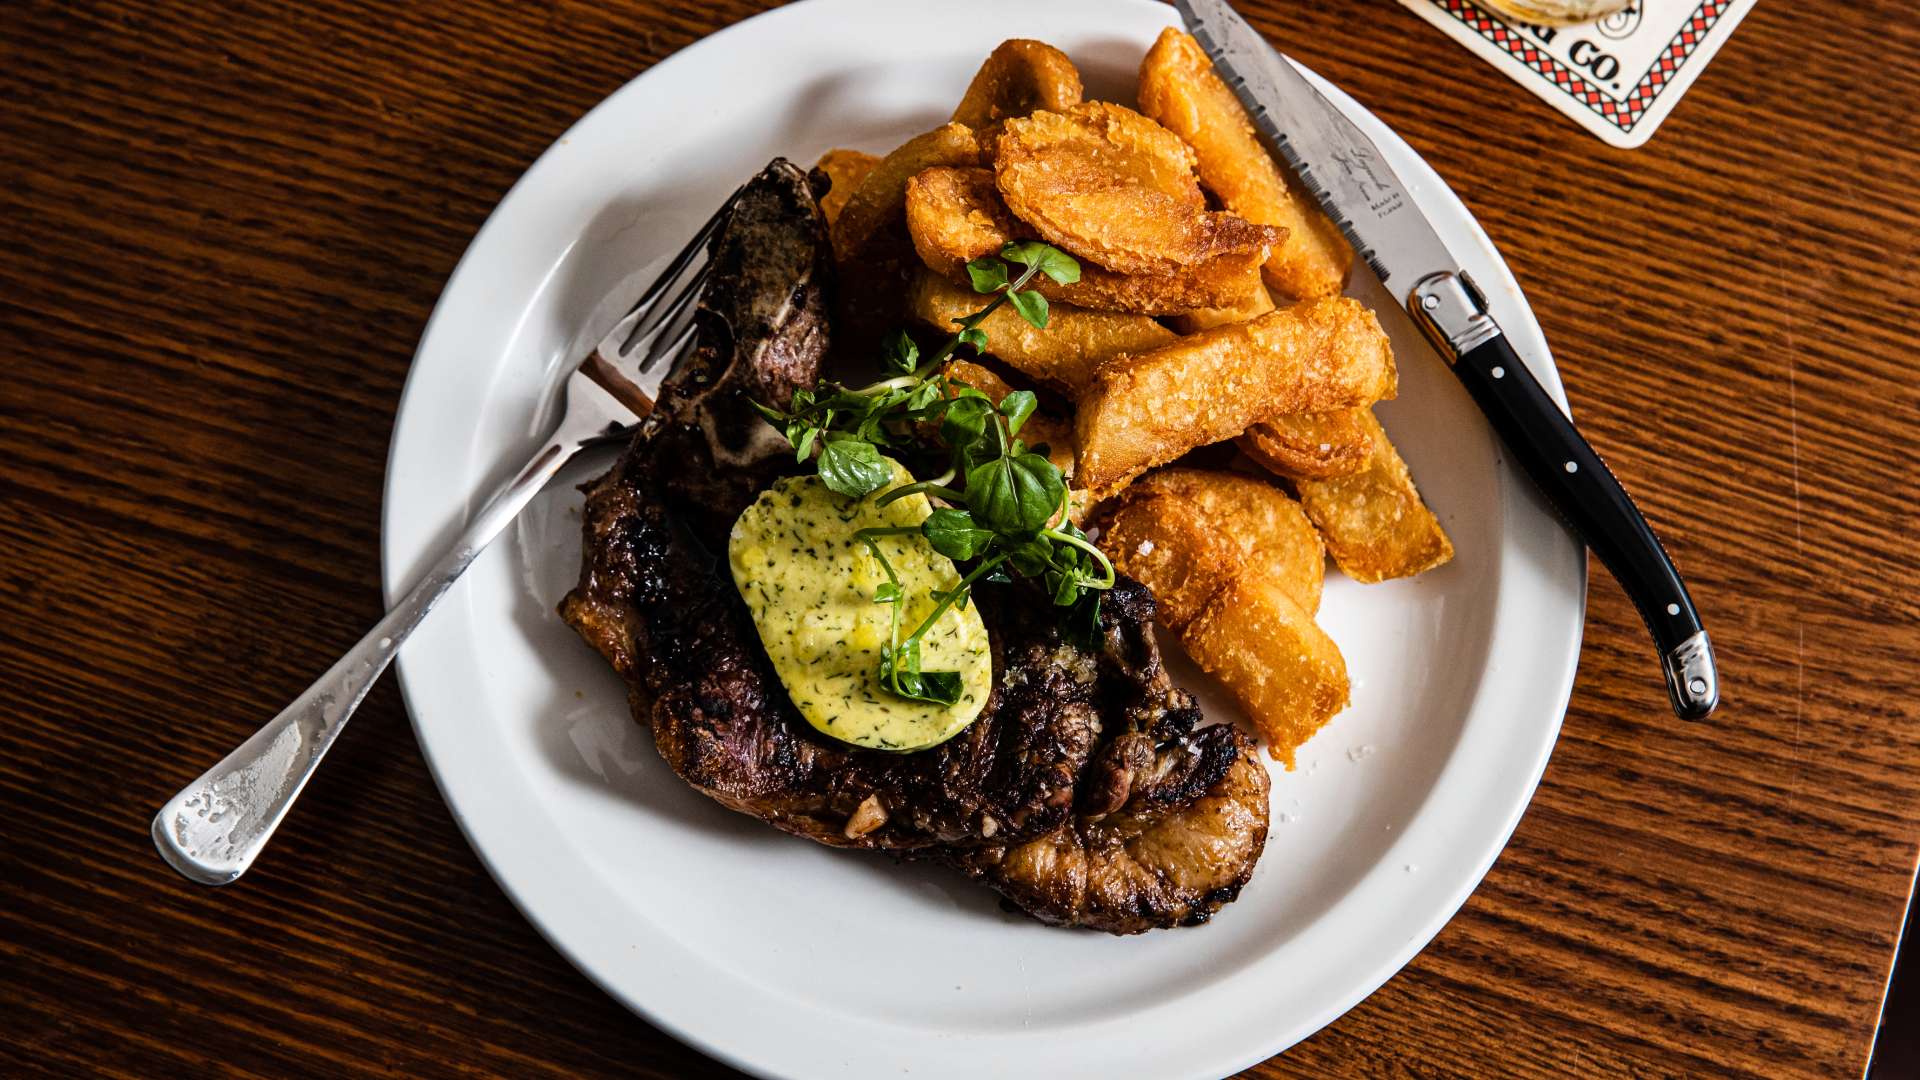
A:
[(788, 959)]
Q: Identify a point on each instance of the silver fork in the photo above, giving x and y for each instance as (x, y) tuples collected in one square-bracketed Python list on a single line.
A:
[(214, 828)]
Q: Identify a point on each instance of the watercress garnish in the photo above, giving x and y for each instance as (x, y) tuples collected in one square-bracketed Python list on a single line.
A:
[(1000, 505)]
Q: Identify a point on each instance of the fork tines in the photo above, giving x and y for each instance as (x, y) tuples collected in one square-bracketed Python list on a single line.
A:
[(660, 325), (662, 319)]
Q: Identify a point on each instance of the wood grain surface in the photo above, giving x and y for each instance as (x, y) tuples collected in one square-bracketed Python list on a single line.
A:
[(225, 225)]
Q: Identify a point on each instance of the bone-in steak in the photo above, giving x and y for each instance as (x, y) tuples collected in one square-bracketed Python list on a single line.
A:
[(1095, 749)]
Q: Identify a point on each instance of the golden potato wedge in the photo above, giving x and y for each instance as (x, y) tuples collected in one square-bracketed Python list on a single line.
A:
[(882, 194), (955, 216), (845, 169), (1215, 283), (870, 294), (1374, 521), (979, 376), (1109, 185), (1179, 89), (873, 255), (1056, 434), (1148, 409), (1165, 544), (1236, 569), (1040, 429), (1193, 532), (1311, 445), (1266, 649), (1256, 303), (1084, 505), (1019, 77), (1268, 532), (1064, 355)]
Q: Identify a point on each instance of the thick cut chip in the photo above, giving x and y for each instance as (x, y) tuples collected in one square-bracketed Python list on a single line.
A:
[(882, 194), (1149, 409), (979, 376), (1267, 530), (1236, 570), (845, 170), (870, 293), (1040, 429), (1311, 445), (1019, 77), (873, 255), (1214, 283), (955, 216), (1375, 523), (1083, 505), (1263, 646), (1056, 436), (1112, 187), (1195, 532), (1064, 356), (1164, 543), (1179, 89), (1256, 303)]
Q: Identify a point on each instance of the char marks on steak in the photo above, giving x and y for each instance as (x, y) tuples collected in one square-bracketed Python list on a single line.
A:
[(1093, 755), (1173, 854), (661, 606), (1171, 816)]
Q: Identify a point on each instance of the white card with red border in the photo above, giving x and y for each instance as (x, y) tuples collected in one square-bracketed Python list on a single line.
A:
[(1617, 77)]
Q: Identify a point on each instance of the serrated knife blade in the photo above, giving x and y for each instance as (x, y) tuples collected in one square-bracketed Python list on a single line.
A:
[(1346, 172), (1336, 162)]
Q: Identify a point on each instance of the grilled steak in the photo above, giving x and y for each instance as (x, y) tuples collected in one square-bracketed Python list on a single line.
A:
[(1175, 853), (1171, 816), (656, 597), (660, 605), (1094, 751)]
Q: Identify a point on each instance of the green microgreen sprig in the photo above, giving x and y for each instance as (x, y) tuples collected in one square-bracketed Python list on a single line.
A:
[(1000, 504)]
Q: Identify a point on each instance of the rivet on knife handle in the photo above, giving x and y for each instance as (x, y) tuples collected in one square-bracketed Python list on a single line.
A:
[(1342, 169), (1543, 441), (1452, 312)]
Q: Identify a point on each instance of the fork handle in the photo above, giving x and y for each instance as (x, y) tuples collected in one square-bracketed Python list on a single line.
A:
[(213, 829)]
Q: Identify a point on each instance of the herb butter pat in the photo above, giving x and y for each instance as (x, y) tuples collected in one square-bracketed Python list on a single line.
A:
[(810, 585)]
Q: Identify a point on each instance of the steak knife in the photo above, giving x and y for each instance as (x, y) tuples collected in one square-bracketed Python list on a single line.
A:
[(1342, 168)]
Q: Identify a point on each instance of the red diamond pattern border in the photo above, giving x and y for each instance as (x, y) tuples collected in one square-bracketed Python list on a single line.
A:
[(1623, 115)]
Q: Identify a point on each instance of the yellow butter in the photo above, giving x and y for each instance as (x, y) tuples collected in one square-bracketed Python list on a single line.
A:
[(809, 585)]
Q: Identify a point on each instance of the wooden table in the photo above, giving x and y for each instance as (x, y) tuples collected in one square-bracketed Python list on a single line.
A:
[(225, 225)]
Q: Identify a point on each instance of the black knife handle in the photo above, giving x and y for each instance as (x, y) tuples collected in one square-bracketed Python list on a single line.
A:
[(1574, 479)]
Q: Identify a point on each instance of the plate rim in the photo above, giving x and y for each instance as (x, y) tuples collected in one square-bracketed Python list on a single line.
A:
[(394, 560)]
